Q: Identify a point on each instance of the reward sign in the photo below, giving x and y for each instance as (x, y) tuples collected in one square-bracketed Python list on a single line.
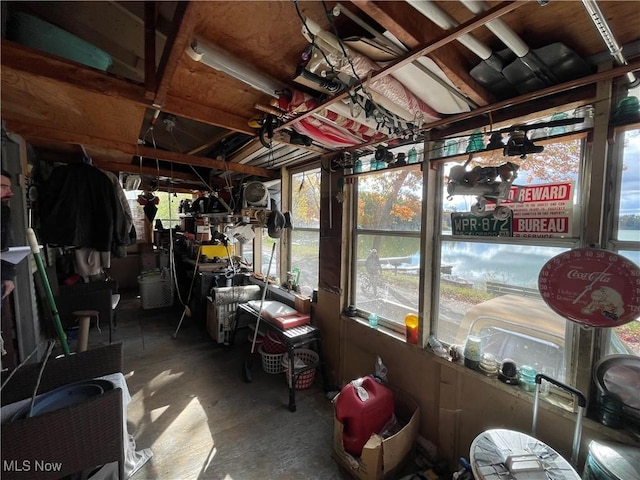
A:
[(541, 211)]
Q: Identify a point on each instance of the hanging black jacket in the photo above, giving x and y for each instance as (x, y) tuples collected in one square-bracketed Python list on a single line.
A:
[(79, 207)]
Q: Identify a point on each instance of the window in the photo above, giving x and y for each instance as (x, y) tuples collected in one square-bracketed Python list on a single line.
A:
[(167, 211), (387, 241), (489, 263), (625, 339), (305, 236)]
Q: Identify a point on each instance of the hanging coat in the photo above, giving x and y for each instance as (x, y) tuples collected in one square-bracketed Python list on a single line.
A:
[(79, 207)]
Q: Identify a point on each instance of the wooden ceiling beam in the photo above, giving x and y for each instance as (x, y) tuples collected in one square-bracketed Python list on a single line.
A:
[(150, 17), (202, 113), (42, 64), (398, 18), (149, 171), (185, 19), (523, 112), (52, 134)]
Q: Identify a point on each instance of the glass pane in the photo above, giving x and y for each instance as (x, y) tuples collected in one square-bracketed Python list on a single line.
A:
[(491, 290), (169, 208), (388, 285), (390, 200), (625, 339), (305, 199), (305, 246), (629, 206), (545, 211), (267, 245)]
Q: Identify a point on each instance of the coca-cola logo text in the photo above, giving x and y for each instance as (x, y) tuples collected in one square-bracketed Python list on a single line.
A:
[(589, 276)]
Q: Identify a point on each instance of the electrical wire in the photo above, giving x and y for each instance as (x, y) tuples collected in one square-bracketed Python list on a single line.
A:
[(44, 364), (20, 365)]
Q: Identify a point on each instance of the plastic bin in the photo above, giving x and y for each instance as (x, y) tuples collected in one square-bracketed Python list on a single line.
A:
[(156, 290), (36, 33)]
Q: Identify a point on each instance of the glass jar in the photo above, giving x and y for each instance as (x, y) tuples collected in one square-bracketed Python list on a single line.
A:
[(412, 156), (527, 378), (489, 365), (373, 320), (411, 323), (473, 352)]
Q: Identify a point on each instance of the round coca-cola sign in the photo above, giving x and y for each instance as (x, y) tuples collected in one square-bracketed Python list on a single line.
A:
[(591, 286)]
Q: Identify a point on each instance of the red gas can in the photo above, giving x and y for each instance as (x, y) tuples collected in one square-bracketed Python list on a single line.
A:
[(363, 407)]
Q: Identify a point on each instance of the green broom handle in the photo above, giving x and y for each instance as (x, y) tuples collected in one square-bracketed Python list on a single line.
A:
[(35, 249)]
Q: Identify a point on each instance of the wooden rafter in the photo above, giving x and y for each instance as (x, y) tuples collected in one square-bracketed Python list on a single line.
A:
[(412, 35), (184, 22), (478, 21), (52, 134)]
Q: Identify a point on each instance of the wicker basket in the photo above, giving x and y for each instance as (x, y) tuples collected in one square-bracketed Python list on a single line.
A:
[(271, 362), (303, 357)]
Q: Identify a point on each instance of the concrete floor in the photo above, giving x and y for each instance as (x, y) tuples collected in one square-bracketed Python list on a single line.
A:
[(192, 408)]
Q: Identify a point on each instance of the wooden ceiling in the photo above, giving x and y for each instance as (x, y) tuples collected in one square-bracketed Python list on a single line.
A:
[(158, 112)]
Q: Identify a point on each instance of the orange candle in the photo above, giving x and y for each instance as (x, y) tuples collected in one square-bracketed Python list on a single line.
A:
[(411, 328)]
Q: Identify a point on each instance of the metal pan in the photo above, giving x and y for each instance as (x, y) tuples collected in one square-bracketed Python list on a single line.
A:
[(619, 375)]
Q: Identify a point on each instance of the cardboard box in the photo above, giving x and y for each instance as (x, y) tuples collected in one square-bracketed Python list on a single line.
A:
[(381, 457), (219, 319), (302, 304)]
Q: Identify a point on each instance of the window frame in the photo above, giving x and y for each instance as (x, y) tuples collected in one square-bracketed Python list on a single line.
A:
[(356, 232), (313, 167), (440, 239)]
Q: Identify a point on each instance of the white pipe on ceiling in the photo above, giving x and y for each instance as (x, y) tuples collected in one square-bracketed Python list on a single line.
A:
[(499, 28), (447, 22)]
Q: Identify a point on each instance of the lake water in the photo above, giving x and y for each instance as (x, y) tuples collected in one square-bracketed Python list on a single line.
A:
[(508, 263)]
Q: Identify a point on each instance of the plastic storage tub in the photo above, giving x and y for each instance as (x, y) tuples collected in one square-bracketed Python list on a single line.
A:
[(156, 289), (36, 33)]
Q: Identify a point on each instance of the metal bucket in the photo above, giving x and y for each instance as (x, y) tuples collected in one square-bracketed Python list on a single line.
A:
[(611, 461)]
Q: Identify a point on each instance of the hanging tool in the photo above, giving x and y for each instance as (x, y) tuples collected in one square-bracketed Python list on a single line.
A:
[(187, 310), (35, 249), (248, 363)]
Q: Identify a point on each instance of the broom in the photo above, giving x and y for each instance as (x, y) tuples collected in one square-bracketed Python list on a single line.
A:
[(35, 249)]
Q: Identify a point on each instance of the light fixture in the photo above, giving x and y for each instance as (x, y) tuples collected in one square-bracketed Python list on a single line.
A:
[(600, 22), (218, 59)]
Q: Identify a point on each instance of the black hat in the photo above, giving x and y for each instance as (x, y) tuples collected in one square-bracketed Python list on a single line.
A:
[(275, 223)]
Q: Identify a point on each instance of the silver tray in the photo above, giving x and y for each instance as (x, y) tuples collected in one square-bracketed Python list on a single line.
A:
[(619, 375)]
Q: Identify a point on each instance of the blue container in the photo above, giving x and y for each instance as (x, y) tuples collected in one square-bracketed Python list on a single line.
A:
[(527, 377), (36, 33)]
